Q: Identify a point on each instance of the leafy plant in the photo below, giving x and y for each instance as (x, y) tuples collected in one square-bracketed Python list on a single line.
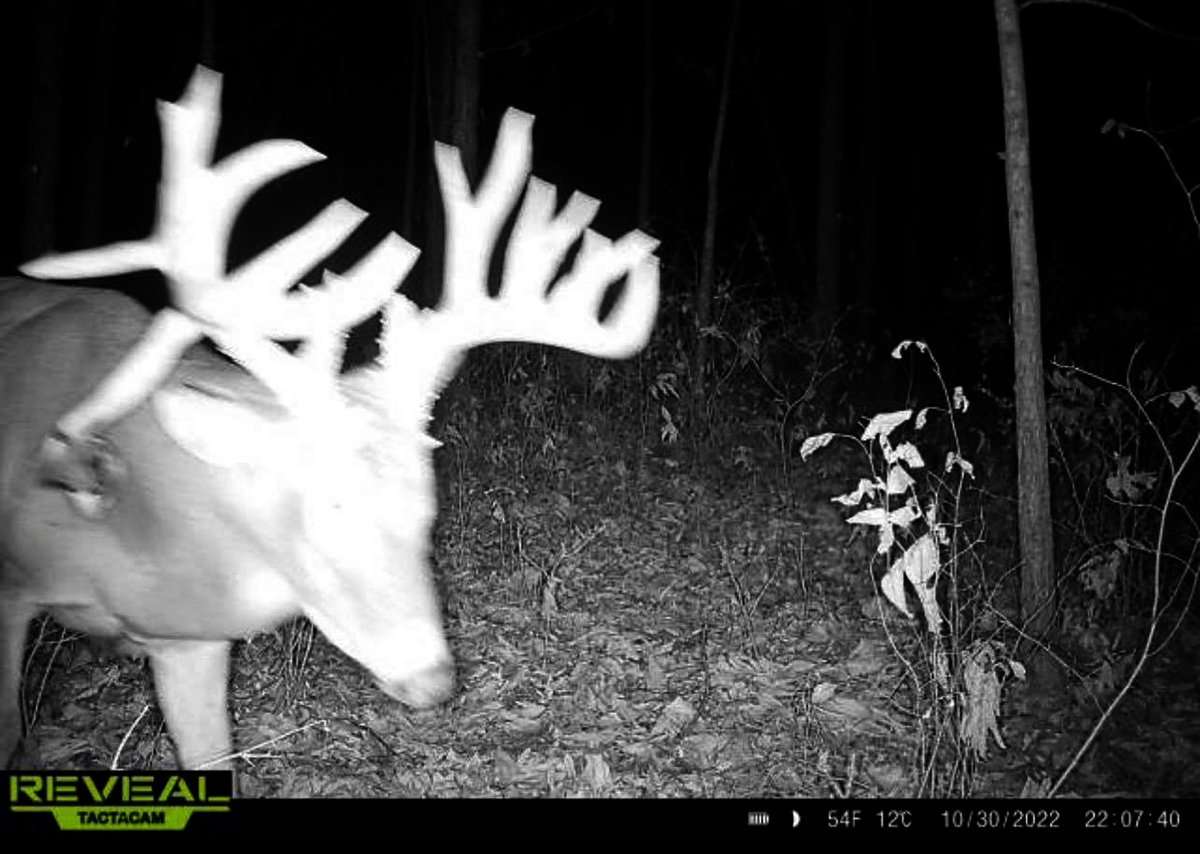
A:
[(916, 517)]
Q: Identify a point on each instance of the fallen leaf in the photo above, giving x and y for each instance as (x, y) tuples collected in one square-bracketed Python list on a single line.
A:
[(823, 693), (678, 714), (656, 677), (700, 751), (507, 769), (596, 773)]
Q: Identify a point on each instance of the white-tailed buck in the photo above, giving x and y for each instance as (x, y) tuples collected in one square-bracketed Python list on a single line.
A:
[(153, 492)]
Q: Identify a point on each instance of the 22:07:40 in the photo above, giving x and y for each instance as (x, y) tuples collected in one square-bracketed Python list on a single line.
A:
[(1131, 819)]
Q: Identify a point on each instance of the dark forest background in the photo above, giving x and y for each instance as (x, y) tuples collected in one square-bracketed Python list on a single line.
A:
[(861, 179)]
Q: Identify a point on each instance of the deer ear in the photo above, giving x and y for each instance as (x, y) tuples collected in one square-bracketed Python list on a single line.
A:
[(219, 430), (87, 470)]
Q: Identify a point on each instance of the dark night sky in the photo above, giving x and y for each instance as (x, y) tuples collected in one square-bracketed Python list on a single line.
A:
[(922, 125)]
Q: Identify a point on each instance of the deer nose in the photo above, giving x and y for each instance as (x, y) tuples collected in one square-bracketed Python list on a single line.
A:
[(426, 688)]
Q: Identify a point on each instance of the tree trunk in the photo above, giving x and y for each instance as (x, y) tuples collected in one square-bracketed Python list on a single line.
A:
[(451, 72), (464, 112), (869, 174), (208, 33), (95, 160), (786, 267), (704, 291), (645, 170), (829, 162), (42, 140), (1033, 481), (408, 174)]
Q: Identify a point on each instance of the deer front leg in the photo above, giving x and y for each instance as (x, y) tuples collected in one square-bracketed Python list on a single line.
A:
[(15, 615), (191, 679)]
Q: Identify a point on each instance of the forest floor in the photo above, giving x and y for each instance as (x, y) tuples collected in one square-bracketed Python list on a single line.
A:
[(637, 624)]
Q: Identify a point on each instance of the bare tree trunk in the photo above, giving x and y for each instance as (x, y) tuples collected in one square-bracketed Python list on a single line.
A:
[(464, 114), (647, 152), (439, 55), (867, 271), (41, 159), (451, 65), (208, 34), (704, 292), (95, 158), (1033, 480), (408, 175), (829, 161), (784, 269)]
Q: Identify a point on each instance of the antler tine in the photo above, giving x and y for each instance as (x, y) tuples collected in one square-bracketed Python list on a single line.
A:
[(567, 316), (473, 223), (328, 313), (198, 202)]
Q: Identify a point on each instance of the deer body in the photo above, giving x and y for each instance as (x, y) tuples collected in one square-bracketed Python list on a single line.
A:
[(170, 559), (190, 554)]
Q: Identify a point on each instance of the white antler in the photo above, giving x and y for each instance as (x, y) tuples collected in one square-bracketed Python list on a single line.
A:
[(246, 311), (198, 202), (525, 309)]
